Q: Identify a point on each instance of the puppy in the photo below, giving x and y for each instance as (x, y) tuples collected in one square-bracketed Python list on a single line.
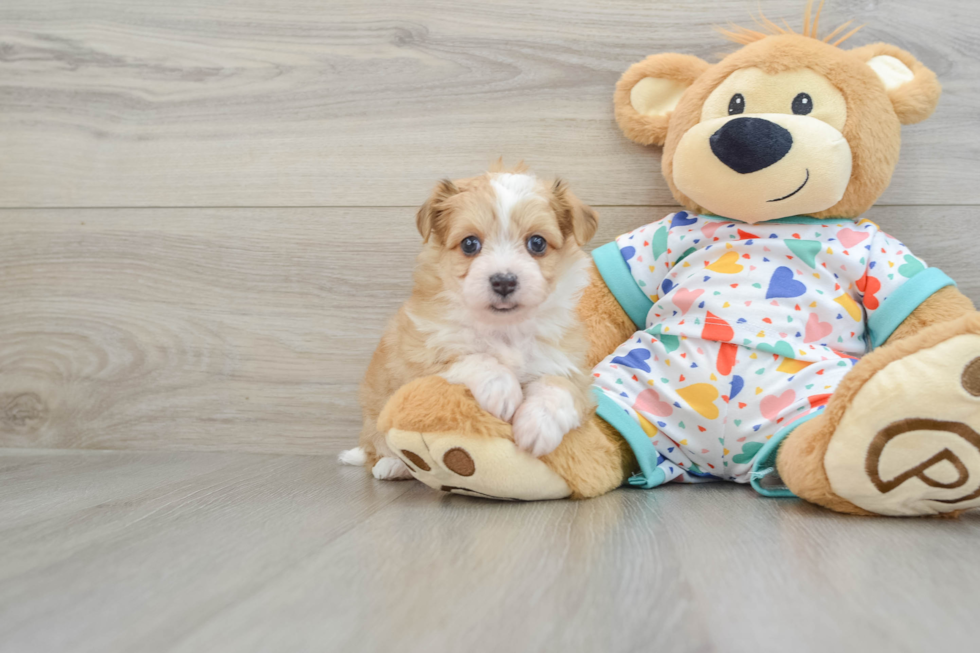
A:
[(493, 308)]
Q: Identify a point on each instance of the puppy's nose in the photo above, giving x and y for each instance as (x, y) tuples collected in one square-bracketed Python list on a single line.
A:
[(503, 284), (749, 144)]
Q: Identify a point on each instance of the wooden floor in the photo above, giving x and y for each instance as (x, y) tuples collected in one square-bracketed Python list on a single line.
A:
[(206, 215), (170, 551)]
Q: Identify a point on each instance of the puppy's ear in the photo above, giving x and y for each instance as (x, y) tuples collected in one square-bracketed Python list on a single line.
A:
[(576, 219), (429, 218), (912, 88), (648, 91)]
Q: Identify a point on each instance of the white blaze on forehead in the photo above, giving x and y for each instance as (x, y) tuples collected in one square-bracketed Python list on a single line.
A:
[(510, 190)]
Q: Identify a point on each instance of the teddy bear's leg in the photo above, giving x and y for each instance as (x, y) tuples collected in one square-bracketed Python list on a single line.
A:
[(449, 443), (900, 434), (593, 459)]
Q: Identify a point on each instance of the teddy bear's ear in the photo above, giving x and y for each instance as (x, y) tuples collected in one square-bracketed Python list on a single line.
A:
[(912, 88), (648, 91)]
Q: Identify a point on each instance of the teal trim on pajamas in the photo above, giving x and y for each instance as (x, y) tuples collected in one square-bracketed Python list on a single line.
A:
[(646, 454), (901, 303), (616, 273), (765, 461)]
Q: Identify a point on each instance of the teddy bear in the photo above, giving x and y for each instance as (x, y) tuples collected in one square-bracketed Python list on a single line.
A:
[(765, 333)]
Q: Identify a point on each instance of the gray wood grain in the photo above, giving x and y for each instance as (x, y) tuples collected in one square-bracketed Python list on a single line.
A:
[(366, 102), (122, 551), (203, 330), (130, 551), (234, 329)]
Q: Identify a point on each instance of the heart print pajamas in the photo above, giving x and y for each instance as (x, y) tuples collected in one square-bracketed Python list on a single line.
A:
[(745, 329)]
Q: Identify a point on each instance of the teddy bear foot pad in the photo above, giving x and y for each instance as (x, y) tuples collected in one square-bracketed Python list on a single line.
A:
[(491, 468), (909, 444)]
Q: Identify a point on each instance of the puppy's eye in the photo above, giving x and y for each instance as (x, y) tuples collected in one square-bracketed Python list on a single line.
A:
[(736, 104), (802, 104), (536, 245), (470, 245)]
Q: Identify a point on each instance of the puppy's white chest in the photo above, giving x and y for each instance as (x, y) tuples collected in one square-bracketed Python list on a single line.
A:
[(530, 358), (515, 356)]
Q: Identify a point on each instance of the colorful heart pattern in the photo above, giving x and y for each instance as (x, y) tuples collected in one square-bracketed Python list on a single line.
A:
[(773, 405), (636, 359), (815, 329), (727, 264), (701, 397), (682, 219), (717, 329), (782, 284), (781, 348), (684, 298), (750, 327), (698, 419), (749, 450), (805, 250), (727, 355), (912, 267), (849, 238), (648, 401), (869, 286)]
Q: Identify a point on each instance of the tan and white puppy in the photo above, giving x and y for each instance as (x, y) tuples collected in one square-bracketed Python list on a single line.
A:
[(494, 308)]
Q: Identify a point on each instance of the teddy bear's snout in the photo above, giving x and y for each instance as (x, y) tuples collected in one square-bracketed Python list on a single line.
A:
[(750, 144)]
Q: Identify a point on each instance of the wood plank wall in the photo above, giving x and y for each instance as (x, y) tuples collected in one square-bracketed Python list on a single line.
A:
[(206, 210)]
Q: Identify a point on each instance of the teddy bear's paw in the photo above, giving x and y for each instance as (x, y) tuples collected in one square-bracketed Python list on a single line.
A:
[(487, 467), (908, 443), (547, 414)]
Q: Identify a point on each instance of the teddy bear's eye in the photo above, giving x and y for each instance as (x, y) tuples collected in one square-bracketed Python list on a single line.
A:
[(736, 104), (802, 104)]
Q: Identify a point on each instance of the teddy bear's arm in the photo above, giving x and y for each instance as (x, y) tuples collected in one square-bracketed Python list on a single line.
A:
[(945, 305), (606, 323)]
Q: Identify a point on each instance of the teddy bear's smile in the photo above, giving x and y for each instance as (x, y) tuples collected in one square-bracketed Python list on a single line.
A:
[(786, 197)]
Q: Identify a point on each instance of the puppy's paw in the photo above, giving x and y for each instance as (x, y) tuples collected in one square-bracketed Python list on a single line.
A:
[(547, 414), (356, 457), (390, 468), (494, 386), (499, 394)]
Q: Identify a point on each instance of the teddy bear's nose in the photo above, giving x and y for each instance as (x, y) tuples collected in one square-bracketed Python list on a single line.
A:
[(749, 144)]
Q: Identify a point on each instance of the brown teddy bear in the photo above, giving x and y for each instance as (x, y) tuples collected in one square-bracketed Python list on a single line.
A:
[(766, 334)]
